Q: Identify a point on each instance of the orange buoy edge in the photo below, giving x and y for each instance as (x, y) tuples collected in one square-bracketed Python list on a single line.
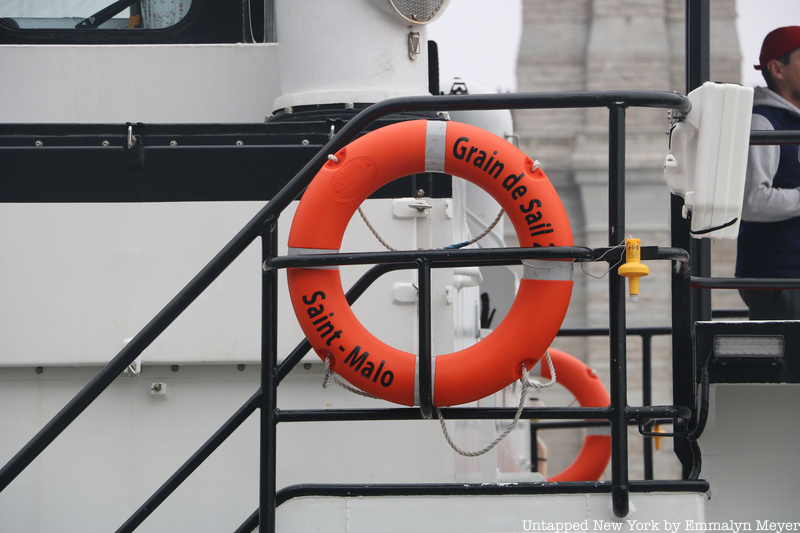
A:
[(412, 147), (589, 391)]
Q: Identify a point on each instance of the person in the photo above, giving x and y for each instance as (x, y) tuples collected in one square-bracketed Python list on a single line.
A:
[(769, 234)]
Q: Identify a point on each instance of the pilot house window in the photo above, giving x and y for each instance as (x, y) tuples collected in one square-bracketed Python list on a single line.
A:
[(93, 14)]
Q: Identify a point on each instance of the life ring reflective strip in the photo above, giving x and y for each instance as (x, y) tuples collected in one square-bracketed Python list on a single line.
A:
[(414, 147), (589, 391)]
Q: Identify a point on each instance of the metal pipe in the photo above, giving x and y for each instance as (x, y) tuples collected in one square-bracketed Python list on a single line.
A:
[(269, 382), (482, 413), (638, 331), (424, 374), (616, 290), (744, 283), (647, 399), (689, 305), (437, 258), (683, 367), (775, 137), (466, 489)]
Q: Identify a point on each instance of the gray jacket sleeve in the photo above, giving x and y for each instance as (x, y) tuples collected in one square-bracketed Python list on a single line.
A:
[(762, 201)]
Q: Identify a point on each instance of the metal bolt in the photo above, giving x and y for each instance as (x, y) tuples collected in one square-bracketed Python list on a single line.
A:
[(105, 143), (240, 367), (305, 142), (39, 370), (173, 143), (420, 193), (38, 143), (157, 387), (307, 366), (174, 368), (239, 143)]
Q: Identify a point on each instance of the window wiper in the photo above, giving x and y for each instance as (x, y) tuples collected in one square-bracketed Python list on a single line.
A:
[(105, 14)]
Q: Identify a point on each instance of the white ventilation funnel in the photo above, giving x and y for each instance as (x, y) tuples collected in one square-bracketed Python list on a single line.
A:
[(347, 52)]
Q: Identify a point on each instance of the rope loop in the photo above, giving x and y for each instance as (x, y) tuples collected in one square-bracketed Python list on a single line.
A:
[(327, 377), (536, 384), (330, 375), (375, 231), (526, 384)]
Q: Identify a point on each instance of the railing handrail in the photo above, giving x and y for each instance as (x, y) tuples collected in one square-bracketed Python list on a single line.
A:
[(268, 215), (761, 137)]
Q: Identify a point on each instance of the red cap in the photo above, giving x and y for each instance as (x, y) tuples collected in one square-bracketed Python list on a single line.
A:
[(778, 42)]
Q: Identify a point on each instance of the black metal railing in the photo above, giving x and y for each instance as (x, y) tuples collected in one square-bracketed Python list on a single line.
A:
[(619, 414), (264, 225)]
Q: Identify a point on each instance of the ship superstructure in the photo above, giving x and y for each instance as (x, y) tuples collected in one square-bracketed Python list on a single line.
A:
[(153, 372)]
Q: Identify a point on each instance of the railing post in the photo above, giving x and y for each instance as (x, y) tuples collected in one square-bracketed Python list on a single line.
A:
[(617, 322), (269, 381), (698, 64), (689, 304), (647, 400), (424, 377)]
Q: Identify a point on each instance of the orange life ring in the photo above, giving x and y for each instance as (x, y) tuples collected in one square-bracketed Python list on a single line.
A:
[(403, 149), (589, 391)]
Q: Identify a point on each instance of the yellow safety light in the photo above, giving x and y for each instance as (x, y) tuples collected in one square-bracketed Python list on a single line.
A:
[(633, 269)]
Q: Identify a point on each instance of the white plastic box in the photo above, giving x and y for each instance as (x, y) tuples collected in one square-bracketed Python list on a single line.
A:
[(708, 158)]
